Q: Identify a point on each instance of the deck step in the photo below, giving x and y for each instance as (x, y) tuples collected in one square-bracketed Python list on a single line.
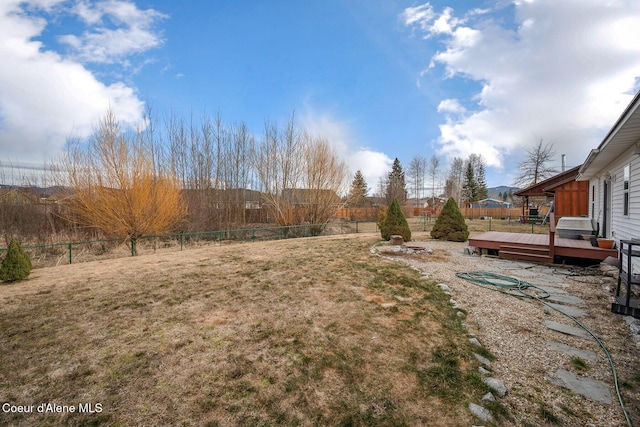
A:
[(525, 253), (526, 249)]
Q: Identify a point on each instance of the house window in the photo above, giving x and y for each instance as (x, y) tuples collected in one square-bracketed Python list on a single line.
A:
[(625, 209)]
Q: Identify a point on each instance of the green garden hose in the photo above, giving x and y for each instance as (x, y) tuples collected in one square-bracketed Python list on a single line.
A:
[(518, 288)]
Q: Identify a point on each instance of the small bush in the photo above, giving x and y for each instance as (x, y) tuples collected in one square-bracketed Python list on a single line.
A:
[(395, 223), (450, 225), (382, 215), (16, 265)]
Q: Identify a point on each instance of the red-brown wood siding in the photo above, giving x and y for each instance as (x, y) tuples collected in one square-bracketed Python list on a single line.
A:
[(572, 199)]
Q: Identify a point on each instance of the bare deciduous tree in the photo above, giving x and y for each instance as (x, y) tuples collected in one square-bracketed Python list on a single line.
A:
[(300, 176), (535, 167), (434, 167), (324, 178), (278, 161), (417, 172), (453, 186), (116, 187)]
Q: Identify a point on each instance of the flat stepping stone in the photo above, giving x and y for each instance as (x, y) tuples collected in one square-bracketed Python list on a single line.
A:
[(566, 299), (567, 309), (572, 351), (566, 329), (553, 290), (526, 272), (590, 388), (554, 280)]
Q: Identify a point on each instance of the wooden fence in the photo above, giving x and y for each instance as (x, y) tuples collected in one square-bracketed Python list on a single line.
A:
[(513, 213)]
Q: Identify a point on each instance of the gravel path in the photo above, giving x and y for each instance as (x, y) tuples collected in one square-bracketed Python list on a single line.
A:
[(514, 331)]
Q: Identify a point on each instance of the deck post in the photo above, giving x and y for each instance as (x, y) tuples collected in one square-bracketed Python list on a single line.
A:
[(552, 237)]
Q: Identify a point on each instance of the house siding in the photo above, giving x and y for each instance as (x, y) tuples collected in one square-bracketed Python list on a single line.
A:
[(626, 226), (595, 206), (623, 227)]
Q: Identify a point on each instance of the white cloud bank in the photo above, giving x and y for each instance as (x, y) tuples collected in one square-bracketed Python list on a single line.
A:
[(46, 96), (561, 71), (373, 164)]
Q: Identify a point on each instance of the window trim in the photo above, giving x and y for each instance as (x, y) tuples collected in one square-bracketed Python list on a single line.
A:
[(625, 188)]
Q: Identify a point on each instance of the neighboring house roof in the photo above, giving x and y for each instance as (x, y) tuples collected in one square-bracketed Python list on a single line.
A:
[(307, 195), (549, 184), (490, 200), (490, 203), (240, 194), (624, 135)]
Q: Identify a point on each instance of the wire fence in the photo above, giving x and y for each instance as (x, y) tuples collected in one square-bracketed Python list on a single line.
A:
[(52, 254)]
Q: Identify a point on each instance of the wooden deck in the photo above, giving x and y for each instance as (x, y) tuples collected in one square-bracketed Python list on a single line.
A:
[(535, 247)]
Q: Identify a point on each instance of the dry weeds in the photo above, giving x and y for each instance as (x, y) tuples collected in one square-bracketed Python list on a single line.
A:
[(295, 332)]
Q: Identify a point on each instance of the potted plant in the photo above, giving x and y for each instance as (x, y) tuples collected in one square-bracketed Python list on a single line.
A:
[(605, 243)]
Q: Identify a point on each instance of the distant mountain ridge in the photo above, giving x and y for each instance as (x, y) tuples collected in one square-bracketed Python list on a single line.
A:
[(39, 191), (494, 192)]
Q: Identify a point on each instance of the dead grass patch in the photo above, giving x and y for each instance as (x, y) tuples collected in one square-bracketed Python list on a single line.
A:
[(294, 332)]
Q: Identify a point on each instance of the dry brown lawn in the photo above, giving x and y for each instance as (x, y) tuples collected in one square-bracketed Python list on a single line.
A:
[(314, 331)]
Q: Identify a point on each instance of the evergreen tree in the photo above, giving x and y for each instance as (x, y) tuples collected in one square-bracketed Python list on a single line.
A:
[(16, 265), (469, 185), (396, 186), (358, 192), (481, 180), (395, 223), (474, 186), (450, 225)]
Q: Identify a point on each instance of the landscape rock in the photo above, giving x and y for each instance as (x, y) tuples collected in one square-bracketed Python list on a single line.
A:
[(489, 397), (496, 385), (446, 289), (486, 362), (480, 412)]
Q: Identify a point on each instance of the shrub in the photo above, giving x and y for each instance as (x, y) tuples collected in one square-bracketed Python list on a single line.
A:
[(450, 225), (395, 223), (16, 265), (382, 215)]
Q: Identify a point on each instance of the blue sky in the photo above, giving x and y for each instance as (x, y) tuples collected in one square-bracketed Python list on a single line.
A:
[(380, 79)]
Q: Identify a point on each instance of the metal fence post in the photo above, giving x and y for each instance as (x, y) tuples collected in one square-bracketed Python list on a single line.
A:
[(133, 246), (70, 249), (181, 241), (356, 227)]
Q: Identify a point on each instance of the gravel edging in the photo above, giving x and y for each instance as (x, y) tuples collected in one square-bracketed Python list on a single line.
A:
[(514, 331)]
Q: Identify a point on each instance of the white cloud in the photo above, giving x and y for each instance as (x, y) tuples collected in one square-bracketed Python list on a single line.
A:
[(558, 71), (46, 97), (452, 106), (373, 164), (118, 29), (421, 15)]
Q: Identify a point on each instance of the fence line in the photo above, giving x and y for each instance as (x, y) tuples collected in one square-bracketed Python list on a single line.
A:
[(51, 254)]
